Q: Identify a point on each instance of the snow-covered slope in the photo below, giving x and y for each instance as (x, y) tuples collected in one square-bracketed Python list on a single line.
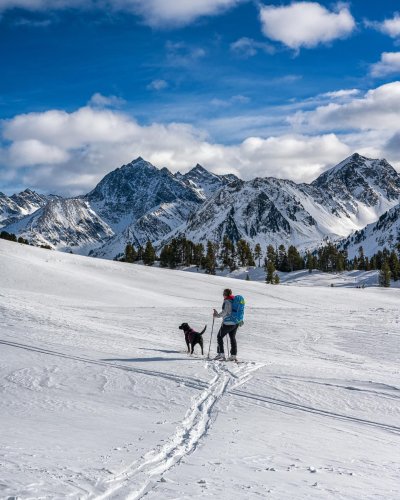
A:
[(384, 233), (363, 188), (17, 206), (64, 224), (99, 401)]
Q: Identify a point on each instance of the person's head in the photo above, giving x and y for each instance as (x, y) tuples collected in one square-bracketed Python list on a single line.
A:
[(227, 292)]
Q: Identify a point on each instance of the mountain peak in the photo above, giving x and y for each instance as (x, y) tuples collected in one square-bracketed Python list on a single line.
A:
[(354, 166), (199, 168), (139, 159)]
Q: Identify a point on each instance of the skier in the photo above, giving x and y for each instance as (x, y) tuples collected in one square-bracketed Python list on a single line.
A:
[(229, 326)]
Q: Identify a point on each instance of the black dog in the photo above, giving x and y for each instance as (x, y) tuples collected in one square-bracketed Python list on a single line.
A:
[(192, 338)]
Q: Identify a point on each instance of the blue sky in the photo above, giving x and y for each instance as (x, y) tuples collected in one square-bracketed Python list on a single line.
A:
[(282, 88)]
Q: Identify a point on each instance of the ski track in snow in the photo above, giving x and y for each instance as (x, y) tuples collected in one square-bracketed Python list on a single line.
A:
[(309, 409), (189, 381), (142, 476)]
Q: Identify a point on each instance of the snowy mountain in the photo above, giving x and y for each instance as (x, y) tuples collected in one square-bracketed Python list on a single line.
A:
[(362, 188), (385, 232), (340, 201), (17, 206), (65, 224), (138, 202), (128, 193), (141, 202), (204, 182)]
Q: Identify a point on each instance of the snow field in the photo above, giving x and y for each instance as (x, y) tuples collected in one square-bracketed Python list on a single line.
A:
[(99, 401)]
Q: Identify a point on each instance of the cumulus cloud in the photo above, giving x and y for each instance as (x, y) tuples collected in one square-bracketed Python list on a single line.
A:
[(156, 13), (69, 152), (247, 47), (388, 65), (389, 27), (296, 157), (305, 24), (377, 109), (33, 152)]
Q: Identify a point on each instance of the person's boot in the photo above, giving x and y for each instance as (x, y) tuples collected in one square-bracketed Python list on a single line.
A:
[(220, 357)]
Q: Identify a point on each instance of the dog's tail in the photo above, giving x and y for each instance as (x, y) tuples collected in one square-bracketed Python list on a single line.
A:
[(204, 329)]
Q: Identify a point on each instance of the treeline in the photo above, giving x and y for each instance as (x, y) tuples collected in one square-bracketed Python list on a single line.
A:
[(229, 255), (183, 252), (12, 237)]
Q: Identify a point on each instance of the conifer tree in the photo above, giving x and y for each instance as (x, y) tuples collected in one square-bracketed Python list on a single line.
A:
[(340, 262), (294, 259), (270, 256), (249, 256), (258, 253), (149, 254), (309, 262), (198, 254), (361, 259), (282, 259), (242, 252), (165, 256), (394, 265), (384, 275), (130, 253), (269, 278), (210, 260), (226, 252)]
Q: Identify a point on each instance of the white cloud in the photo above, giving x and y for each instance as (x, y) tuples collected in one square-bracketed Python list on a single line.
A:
[(102, 101), (71, 130), (70, 152), (305, 24), (157, 85), (33, 152), (388, 65), (296, 157), (341, 94), (378, 109), (156, 13), (389, 27), (247, 47)]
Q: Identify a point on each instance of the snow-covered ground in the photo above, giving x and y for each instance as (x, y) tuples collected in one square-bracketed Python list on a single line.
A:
[(99, 401), (348, 279)]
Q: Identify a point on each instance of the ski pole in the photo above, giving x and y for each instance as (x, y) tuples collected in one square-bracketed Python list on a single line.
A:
[(209, 347), (227, 344)]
